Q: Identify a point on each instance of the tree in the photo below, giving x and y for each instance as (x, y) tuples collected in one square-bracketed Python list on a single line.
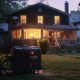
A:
[(8, 6)]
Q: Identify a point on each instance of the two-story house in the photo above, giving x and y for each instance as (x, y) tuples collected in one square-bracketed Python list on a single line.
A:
[(40, 21)]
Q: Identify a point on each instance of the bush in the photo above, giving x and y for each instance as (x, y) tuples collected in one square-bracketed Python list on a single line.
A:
[(78, 48), (44, 46)]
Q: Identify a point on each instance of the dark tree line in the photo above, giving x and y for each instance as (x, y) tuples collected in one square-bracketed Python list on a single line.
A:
[(9, 6)]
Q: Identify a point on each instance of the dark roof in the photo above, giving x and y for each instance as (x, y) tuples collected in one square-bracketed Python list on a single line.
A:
[(4, 26), (42, 5), (75, 23), (1, 30), (49, 27)]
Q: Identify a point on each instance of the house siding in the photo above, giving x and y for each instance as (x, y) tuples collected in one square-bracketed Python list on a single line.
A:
[(46, 12)]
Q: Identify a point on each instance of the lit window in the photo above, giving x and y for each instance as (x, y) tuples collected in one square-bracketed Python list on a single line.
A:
[(16, 34), (56, 19), (23, 19), (32, 33), (45, 33), (40, 19), (56, 34)]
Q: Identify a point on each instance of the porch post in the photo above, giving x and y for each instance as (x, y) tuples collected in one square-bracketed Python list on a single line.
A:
[(76, 36), (22, 33), (41, 33)]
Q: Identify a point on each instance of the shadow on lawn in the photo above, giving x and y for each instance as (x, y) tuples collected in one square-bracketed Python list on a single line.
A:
[(24, 77)]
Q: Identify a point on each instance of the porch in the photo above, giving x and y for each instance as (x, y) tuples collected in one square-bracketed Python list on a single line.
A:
[(31, 34)]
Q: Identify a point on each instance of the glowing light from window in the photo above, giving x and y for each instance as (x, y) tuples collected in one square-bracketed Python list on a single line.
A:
[(16, 34), (40, 19), (23, 19), (56, 19), (31, 35)]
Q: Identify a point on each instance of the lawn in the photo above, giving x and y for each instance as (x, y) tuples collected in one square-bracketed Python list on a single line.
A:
[(65, 67), (62, 67)]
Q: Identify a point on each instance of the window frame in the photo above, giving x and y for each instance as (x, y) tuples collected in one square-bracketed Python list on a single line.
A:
[(58, 21), (33, 31), (16, 34), (22, 20), (41, 21)]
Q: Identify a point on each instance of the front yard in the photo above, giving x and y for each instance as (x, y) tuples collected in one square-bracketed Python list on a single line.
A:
[(65, 67), (62, 67)]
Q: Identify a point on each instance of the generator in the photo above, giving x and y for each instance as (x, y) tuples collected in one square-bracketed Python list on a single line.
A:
[(22, 59), (26, 58)]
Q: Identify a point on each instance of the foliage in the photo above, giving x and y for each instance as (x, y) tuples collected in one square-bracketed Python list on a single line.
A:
[(77, 48), (43, 45), (8, 6), (61, 68)]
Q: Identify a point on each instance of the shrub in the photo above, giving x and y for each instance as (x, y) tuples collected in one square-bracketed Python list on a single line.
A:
[(43, 45), (78, 48)]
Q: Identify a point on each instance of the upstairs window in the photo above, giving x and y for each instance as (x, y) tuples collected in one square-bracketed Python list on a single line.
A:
[(56, 34), (40, 19), (23, 19), (56, 19)]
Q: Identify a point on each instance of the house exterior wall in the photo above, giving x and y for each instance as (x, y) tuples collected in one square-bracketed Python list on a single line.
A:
[(78, 33), (32, 12), (72, 35), (48, 14), (74, 16)]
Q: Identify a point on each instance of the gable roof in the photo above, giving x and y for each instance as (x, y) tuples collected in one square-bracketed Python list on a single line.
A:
[(41, 4)]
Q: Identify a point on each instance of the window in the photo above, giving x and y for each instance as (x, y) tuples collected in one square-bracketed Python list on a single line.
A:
[(32, 33), (23, 19), (56, 34), (45, 33), (56, 19), (16, 34), (40, 19)]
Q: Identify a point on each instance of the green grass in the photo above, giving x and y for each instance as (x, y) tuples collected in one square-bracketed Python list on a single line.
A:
[(65, 67), (62, 67)]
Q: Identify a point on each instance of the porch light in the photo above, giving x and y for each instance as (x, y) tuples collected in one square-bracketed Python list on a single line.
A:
[(32, 53)]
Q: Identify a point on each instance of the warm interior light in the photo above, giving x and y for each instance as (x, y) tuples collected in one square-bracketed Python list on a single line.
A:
[(45, 33), (31, 35), (23, 19), (56, 34), (32, 52), (16, 34), (40, 19), (56, 19)]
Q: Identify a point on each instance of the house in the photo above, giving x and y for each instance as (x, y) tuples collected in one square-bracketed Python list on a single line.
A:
[(74, 19), (74, 16), (77, 25), (41, 21)]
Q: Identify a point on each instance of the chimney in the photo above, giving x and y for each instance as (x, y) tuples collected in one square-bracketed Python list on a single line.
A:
[(66, 7), (79, 6)]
